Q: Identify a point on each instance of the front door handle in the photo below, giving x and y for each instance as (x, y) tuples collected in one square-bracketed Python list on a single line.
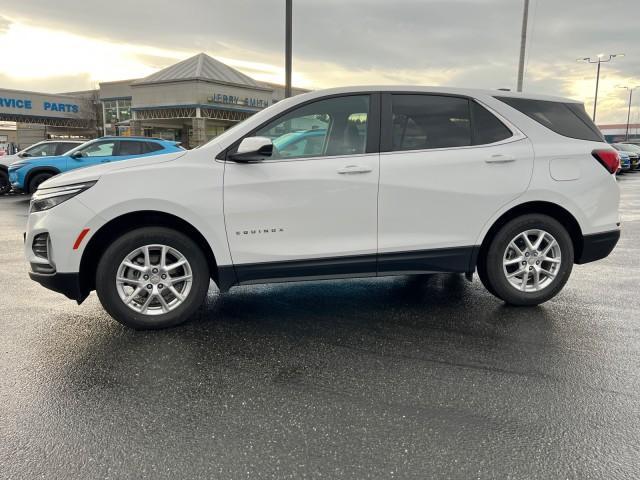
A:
[(500, 158), (349, 169)]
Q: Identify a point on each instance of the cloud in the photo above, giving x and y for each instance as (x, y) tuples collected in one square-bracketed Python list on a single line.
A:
[(337, 42)]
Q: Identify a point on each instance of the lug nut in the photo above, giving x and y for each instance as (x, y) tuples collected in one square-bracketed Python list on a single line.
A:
[(524, 263), (530, 268), (537, 263), (149, 287), (526, 254), (146, 277), (155, 270), (163, 276), (160, 285)]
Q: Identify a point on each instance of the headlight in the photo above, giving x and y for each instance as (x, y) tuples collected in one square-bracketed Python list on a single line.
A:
[(46, 198), (17, 165)]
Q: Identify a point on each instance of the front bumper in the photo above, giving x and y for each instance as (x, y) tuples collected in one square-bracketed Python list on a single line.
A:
[(597, 246), (66, 283)]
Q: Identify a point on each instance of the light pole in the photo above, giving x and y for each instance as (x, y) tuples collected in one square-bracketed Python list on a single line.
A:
[(631, 89), (287, 48), (523, 44), (598, 60)]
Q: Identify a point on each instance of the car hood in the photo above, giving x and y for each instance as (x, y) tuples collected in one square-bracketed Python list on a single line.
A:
[(7, 160), (88, 174)]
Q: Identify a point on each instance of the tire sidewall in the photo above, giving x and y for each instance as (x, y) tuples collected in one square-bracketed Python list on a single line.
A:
[(115, 254), (37, 179), (494, 268)]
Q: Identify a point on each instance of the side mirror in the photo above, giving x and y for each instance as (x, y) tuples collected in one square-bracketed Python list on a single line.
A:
[(76, 155), (252, 149)]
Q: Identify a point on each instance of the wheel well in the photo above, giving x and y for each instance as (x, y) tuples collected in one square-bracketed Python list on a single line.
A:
[(131, 221), (37, 171), (545, 208)]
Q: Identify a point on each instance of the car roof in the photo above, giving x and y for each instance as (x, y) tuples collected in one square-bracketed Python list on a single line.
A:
[(469, 92), (117, 137)]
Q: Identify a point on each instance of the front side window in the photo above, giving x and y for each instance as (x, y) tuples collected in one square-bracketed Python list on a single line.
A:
[(98, 149), (43, 150), (429, 121), (65, 147), (335, 126)]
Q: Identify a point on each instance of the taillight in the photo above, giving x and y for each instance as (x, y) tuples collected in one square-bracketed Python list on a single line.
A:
[(608, 158)]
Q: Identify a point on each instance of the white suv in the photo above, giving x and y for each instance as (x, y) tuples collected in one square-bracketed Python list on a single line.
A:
[(349, 182)]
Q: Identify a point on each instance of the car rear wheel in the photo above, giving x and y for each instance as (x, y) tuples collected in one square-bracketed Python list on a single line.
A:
[(5, 186), (152, 278), (37, 179), (528, 261)]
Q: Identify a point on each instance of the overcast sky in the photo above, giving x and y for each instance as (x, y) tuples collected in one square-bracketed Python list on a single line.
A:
[(67, 45)]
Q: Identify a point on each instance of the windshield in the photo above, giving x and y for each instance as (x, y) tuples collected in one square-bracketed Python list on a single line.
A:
[(628, 147)]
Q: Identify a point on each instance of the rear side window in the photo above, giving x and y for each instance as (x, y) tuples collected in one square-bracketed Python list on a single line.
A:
[(152, 147), (65, 147), (487, 128), (130, 147), (429, 121), (567, 119)]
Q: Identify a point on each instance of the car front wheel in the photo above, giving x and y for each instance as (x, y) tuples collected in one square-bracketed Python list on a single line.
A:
[(152, 278), (5, 186), (528, 261)]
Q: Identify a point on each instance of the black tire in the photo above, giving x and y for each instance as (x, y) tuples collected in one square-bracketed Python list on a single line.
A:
[(493, 276), (36, 180), (5, 185), (112, 257)]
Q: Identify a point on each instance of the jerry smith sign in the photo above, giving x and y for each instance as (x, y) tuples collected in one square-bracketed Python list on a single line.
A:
[(43, 105)]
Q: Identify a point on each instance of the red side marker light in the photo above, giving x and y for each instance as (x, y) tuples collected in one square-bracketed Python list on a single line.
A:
[(83, 234)]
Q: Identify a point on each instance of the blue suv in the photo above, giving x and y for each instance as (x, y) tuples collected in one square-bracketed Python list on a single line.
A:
[(26, 175)]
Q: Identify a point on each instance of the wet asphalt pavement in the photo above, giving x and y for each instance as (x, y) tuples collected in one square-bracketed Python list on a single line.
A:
[(405, 377)]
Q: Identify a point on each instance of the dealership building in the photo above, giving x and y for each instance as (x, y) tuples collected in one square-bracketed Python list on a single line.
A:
[(191, 102)]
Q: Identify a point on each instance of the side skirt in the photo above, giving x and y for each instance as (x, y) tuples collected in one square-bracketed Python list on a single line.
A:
[(454, 260)]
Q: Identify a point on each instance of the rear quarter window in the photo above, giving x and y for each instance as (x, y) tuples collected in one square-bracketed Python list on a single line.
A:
[(566, 119)]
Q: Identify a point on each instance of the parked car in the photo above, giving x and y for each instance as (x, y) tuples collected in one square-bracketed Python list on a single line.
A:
[(408, 180), (40, 149), (631, 147), (634, 157), (625, 162), (28, 173)]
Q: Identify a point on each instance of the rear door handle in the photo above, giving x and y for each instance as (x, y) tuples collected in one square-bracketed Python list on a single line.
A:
[(500, 158), (350, 169)]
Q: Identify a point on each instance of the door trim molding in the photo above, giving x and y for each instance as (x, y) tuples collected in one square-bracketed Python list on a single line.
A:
[(454, 260)]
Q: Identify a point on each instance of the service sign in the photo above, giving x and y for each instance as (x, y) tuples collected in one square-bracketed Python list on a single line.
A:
[(15, 102)]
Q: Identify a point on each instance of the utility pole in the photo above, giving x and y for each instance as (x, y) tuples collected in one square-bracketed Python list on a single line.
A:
[(287, 48), (598, 60), (631, 89), (523, 44)]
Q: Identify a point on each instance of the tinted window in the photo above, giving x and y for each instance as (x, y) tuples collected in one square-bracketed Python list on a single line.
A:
[(487, 128), (429, 121), (65, 147), (98, 149), (152, 147), (130, 147), (335, 126), (567, 119)]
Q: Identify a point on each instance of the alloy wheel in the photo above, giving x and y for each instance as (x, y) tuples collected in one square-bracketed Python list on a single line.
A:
[(532, 260)]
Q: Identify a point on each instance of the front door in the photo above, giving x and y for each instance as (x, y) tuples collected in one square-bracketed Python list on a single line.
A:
[(93, 154), (310, 209), (447, 166)]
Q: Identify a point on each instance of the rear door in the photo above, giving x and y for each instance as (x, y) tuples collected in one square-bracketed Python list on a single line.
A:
[(447, 164)]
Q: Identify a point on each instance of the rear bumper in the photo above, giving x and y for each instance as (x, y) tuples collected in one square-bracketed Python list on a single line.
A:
[(597, 246), (66, 283)]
